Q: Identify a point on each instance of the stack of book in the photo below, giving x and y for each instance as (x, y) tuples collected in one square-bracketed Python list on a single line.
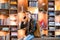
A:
[(4, 5), (13, 29), (5, 29), (8, 36), (13, 7), (50, 3), (51, 18), (13, 34), (13, 19), (57, 33), (51, 14)]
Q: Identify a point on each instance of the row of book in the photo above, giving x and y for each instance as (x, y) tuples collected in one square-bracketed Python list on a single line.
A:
[(50, 5), (51, 19), (13, 7), (54, 20), (54, 33), (4, 5), (51, 14), (7, 29), (7, 22), (55, 4), (33, 4), (11, 20), (7, 37)]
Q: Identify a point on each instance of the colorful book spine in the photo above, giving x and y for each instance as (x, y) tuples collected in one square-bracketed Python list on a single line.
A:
[(1, 22)]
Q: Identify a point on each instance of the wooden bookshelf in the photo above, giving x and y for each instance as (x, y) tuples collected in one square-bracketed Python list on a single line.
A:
[(13, 11), (51, 9)]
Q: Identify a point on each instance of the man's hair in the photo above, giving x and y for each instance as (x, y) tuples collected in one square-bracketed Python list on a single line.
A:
[(28, 12)]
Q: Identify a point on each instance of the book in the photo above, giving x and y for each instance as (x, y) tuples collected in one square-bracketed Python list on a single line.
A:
[(1, 22), (51, 13), (8, 36), (13, 11), (13, 23), (7, 21), (5, 29), (51, 23), (13, 2), (13, 29), (33, 4), (32, 0), (14, 38), (13, 7), (12, 17), (57, 24), (13, 33), (51, 19), (2, 37), (57, 32), (51, 3), (51, 9), (51, 33), (4, 5), (51, 28)]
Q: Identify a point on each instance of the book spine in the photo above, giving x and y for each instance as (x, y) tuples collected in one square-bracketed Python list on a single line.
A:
[(3, 6), (2, 22), (5, 22)]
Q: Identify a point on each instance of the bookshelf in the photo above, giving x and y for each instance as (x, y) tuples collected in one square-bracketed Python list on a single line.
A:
[(4, 19), (13, 11), (57, 24), (13, 6), (8, 17), (51, 18), (57, 19)]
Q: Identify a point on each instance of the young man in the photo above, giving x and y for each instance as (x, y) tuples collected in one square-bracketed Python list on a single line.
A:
[(31, 27)]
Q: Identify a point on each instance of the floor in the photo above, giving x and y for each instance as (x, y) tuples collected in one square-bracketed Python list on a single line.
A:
[(46, 39)]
